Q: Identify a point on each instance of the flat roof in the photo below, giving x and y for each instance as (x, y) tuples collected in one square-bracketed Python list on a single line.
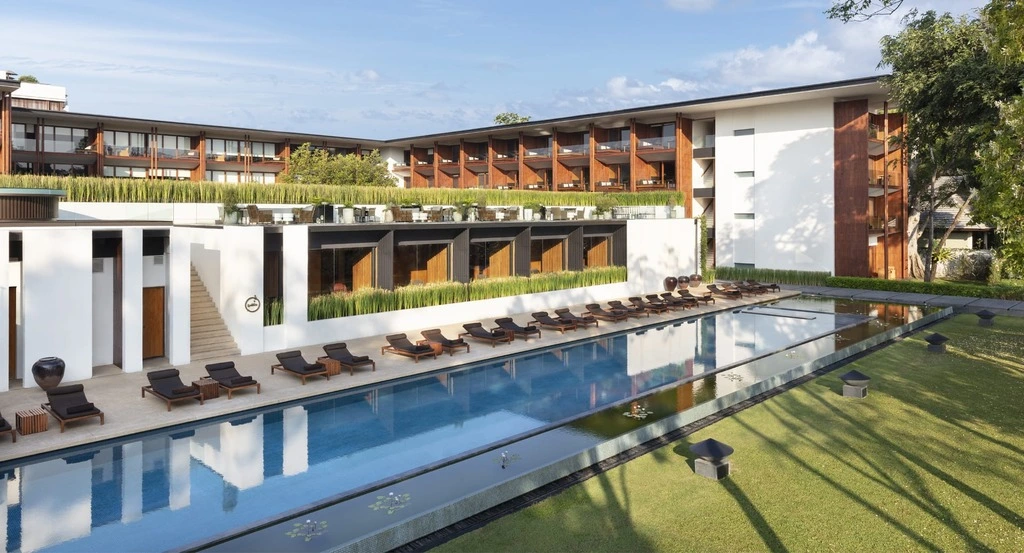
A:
[(863, 87), (32, 192)]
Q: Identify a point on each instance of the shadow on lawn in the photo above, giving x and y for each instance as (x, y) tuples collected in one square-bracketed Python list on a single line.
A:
[(764, 529)]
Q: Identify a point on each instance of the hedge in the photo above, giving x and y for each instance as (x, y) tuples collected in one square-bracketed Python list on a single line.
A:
[(777, 276), (96, 189), (939, 288), (377, 300)]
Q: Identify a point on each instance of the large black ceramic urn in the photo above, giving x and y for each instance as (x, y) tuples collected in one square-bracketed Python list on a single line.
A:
[(48, 372)]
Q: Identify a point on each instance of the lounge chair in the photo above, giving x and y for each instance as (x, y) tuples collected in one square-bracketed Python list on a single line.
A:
[(293, 362), (631, 310), (748, 289), (227, 377), (340, 353), (655, 299), (259, 216), (599, 313), (725, 293), (400, 344), (704, 297), (543, 319), (434, 336), (68, 403), (769, 287), (6, 428), (650, 307), (507, 324), (495, 337), (583, 319), (673, 299), (668, 301), (167, 385)]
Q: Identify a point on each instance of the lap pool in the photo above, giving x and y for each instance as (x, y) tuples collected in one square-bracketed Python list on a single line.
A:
[(359, 461)]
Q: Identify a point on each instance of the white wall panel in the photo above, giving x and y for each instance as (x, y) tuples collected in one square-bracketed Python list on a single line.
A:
[(134, 279)]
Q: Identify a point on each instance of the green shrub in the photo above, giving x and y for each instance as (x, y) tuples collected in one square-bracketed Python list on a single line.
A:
[(273, 311), (778, 276), (938, 288), (96, 189), (376, 300)]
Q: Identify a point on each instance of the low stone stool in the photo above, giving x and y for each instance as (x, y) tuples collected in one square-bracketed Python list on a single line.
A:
[(712, 459), (936, 343), (986, 317), (855, 384)]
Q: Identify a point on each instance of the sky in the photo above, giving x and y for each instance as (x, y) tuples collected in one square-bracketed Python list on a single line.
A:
[(394, 68)]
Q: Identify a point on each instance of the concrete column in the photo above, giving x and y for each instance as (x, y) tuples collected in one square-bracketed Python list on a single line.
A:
[(131, 300), (131, 481), (5, 309), (295, 252), (179, 297), (242, 278), (57, 298)]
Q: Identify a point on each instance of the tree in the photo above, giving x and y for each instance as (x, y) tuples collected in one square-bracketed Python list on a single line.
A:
[(861, 10), (311, 165), (28, 79), (510, 118)]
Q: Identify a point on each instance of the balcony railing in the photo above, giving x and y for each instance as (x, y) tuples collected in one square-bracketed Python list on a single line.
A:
[(267, 158), (176, 153), (574, 150), (476, 158), (706, 141), (538, 152), (223, 156), (126, 151), (506, 156), (876, 223), (613, 146), (656, 143)]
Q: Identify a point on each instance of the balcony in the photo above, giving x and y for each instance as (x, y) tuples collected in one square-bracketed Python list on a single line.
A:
[(613, 147), (177, 153), (655, 184), (265, 158), (505, 156), (704, 147), (224, 156), (538, 152), (126, 151), (656, 143), (574, 150)]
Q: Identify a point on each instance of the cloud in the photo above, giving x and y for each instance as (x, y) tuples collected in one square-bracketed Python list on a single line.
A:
[(691, 5), (806, 59)]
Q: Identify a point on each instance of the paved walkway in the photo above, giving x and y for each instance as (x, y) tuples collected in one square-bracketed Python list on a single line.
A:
[(958, 303), (119, 394)]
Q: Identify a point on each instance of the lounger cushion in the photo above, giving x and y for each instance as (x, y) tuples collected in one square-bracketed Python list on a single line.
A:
[(239, 380), (183, 390), (83, 408)]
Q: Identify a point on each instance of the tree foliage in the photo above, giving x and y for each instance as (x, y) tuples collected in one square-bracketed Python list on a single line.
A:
[(28, 79), (861, 10), (510, 118), (309, 165)]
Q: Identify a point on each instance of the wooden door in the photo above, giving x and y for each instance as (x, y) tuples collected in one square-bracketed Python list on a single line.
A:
[(12, 333), (152, 322)]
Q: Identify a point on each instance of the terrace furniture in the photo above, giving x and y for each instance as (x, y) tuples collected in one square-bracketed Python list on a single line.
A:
[(495, 337), (303, 215), (770, 287), (340, 354), (434, 336), (399, 344), (668, 301), (6, 428), (208, 387), (400, 215), (31, 421), (166, 384), (558, 214), (725, 293), (600, 313), (671, 300), (293, 362), (508, 325), (747, 289), (583, 319), (227, 377), (704, 297), (659, 307), (259, 216), (631, 310), (655, 299), (512, 214), (543, 319)]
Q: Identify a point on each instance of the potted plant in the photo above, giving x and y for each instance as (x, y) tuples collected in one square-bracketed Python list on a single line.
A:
[(229, 196), (532, 210), (672, 204), (603, 207), (389, 215), (348, 213)]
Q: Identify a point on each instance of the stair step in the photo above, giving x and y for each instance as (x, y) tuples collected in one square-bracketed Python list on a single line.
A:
[(219, 342), (208, 348), (207, 355), (211, 334)]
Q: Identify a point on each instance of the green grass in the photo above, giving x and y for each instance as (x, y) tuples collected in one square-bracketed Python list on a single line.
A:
[(932, 460)]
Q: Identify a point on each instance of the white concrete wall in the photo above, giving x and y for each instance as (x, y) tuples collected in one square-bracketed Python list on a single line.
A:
[(103, 313), (659, 248), (242, 277), (205, 246), (392, 156), (183, 213), (134, 278), (57, 295), (178, 295), (791, 193), (5, 309)]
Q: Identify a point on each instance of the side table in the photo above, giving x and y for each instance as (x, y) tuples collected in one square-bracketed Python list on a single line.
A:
[(32, 421), (333, 366), (208, 387)]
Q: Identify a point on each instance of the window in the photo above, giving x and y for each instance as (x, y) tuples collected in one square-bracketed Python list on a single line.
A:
[(124, 172), (171, 174), (743, 132), (65, 170), (490, 259), (546, 255), (218, 149), (264, 151), (744, 266), (421, 263), (748, 216), (126, 144), (174, 147), (23, 136), (340, 270), (597, 251), (65, 140), (24, 168), (745, 174)]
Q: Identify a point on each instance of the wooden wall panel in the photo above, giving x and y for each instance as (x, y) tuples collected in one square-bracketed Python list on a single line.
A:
[(152, 322), (362, 269), (553, 257), (619, 247), (684, 161), (574, 250), (851, 188), (314, 278), (499, 263), (386, 261), (460, 257), (599, 254), (437, 263), (521, 252)]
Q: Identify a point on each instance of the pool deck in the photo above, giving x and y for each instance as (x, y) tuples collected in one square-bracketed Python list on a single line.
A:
[(127, 413)]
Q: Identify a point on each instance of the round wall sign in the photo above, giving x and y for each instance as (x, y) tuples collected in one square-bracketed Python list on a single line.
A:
[(252, 304)]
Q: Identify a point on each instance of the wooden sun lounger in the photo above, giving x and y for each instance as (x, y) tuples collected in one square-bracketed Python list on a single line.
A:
[(228, 379), (434, 336), (293, 362), (543, 319), (69, 404), (495, 337), (166, 384), (339, 352), (399, 344)]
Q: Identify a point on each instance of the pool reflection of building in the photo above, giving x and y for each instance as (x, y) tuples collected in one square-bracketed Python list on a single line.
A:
[(223, 475)]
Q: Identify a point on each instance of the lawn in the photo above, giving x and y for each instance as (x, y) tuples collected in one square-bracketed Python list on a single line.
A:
[(932, 459)]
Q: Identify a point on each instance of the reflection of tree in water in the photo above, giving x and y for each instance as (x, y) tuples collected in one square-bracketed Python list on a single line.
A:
[(229, 497), (705, 389)]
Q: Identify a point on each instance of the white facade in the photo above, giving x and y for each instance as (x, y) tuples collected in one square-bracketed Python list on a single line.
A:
[(774, 186)]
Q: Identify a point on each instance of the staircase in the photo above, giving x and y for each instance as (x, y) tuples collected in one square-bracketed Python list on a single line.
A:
[(211, 338)]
